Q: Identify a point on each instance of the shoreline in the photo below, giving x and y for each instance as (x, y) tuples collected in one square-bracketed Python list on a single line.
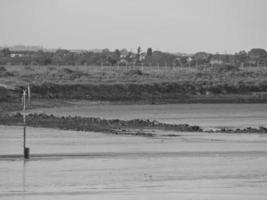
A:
[(15, 106), (12, 105), (136, 127)]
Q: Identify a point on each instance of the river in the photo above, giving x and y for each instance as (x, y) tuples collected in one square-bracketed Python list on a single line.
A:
[(87, 165), (204, 115), (192, 166)]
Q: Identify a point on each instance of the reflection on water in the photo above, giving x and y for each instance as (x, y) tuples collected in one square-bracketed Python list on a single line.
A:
[(24, 175), (212, 173)]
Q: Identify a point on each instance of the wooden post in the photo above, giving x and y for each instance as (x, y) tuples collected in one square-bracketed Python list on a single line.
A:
[(26, 151), (24, 117)]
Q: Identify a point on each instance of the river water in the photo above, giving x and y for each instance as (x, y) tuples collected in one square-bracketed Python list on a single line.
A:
[(86, 165), (204, 115), (191, 166)]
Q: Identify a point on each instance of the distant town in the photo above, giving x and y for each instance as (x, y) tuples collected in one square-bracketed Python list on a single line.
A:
[(37, 55)]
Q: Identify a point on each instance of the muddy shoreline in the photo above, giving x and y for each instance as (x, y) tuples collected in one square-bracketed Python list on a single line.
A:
[(134, 127)]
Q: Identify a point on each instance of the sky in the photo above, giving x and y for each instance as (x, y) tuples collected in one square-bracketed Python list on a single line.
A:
[(189, 26)]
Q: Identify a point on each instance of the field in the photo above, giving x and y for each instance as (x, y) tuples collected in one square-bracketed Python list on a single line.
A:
[(133, 74)]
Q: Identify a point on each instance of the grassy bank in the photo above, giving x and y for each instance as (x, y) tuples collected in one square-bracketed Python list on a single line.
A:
[(219, 84), (155, 93)]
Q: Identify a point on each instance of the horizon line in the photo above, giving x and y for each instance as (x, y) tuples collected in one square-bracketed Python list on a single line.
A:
[(42, 47)]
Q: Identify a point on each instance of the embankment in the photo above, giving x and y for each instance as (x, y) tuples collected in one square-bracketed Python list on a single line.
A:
[(171, 92), (9, 100)]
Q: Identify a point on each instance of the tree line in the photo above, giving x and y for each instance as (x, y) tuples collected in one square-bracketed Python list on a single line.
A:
[(254, 57)]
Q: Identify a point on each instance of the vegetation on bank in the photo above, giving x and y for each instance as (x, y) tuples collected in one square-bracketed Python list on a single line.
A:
[(220, 84), (113, 126), (157, 92)]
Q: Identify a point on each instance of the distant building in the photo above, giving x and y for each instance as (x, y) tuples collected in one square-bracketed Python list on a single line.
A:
[(12, 55), (189, 59), (142, 56), (216, 61), (21, 53), (222, 59), (123, 53)]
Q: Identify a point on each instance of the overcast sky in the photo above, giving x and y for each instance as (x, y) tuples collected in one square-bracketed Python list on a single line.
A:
[(170, 25)]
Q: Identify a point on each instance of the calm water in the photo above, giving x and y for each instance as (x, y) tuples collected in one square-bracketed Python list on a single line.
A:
[(191, 166), (205, 115), (195, 166)]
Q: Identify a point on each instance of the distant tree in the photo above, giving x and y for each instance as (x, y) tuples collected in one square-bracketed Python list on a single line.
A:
[(257, 55), (111, 61), (149, 52), (59, 57), (5, 52), (62, 52), (201, 58), (123, 53), (183, 60), (105, 57), (139, 50), (130, 58), (148, 58), (162, 58), (138, 55), (47, 61), (117, 55), (241, 58)]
